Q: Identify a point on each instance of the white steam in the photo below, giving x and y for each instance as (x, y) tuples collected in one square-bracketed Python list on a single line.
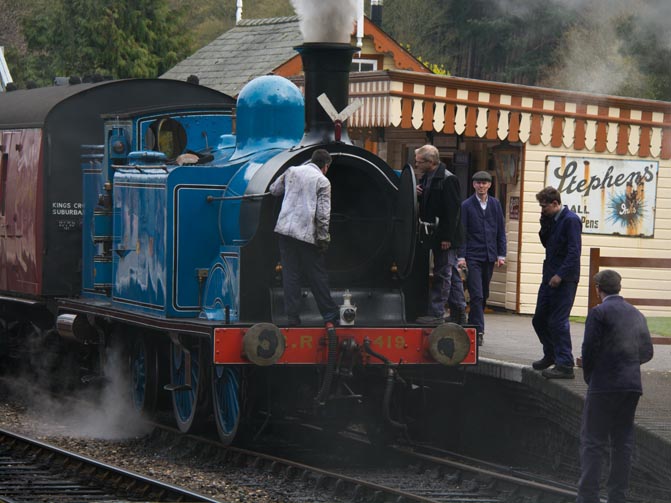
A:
[(591, 55), (326, 20), (107, 415), (592, 61)]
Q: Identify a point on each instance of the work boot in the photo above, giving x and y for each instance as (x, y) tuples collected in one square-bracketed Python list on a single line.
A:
[(559, 372), (543, 363), (430, 320), (481, 338), (458, 315)]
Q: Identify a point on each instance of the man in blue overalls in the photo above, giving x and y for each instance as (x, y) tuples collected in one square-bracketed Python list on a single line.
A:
[(617, 341), (484, 247), (560, 234)]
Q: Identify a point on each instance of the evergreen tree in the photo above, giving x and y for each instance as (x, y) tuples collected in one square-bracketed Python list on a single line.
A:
[(480, 39), (138, 38)]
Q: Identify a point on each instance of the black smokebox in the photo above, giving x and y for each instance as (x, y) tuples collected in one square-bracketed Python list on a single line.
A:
[(326, 67)]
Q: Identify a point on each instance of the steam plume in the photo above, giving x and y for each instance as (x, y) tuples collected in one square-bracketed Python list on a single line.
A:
[(326, 20), (593, 56), (108, 415)]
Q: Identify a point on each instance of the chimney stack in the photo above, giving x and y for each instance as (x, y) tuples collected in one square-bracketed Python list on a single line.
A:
[(326, 67), (376, 12)]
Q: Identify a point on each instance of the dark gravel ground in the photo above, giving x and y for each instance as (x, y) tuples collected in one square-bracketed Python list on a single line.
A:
[(112, 436)]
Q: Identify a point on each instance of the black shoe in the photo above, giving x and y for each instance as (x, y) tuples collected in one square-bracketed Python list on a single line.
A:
[(430, 320), (543, 363), (559, 372), (481, 339), (458, 315)]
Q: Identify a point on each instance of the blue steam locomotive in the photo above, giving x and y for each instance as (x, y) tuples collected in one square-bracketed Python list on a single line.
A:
[(161, 247)]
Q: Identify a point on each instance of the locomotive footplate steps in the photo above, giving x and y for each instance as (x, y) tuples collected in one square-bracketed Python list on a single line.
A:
[(107, 311), (178, 346)]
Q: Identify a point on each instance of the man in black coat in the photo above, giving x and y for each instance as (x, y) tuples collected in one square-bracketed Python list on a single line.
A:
[(617, 341), (440, 211)]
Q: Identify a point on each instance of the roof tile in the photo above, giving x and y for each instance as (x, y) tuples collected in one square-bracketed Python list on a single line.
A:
[(252, 48)]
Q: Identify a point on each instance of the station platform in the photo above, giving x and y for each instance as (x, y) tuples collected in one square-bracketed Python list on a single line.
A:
[(511, 345)]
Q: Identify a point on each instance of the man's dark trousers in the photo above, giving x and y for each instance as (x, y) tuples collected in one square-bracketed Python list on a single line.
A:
[(447, 286), (479, 275), (551, 321), (304, 259), (606, 416)]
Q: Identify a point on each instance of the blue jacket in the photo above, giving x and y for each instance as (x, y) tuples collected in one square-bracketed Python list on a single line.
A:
[(485, 231), (563, 244), (617, 341)]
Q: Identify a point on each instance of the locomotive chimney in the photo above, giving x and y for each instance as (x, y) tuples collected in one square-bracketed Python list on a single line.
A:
[(326, 67)]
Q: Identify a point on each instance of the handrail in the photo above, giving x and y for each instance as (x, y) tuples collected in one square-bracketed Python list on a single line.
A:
[(596, 261), (5, 76)]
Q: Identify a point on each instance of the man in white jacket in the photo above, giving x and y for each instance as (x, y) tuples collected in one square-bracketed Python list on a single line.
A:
[(303, 229)]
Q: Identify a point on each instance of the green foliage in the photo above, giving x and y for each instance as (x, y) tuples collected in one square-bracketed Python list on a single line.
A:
[(207, 19), (435, 68), (479, 39), (140, 38), (659, 326), (602, 46), (636, 44)]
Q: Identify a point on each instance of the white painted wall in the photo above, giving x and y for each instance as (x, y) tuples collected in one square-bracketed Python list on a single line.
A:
[(638, 283)]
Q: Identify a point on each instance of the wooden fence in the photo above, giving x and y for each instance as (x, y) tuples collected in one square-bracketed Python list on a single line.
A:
[(596, 262)]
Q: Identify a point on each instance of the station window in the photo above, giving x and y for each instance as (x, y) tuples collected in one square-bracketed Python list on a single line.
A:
[(363, 65)]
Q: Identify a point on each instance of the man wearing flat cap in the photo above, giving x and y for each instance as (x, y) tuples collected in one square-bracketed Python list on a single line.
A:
[(484, 246), (617, 341)]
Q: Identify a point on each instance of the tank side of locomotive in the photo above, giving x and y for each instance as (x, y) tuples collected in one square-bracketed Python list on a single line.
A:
[(158, 169)]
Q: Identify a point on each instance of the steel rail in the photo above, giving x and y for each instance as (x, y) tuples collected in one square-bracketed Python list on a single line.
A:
[(101, 477)]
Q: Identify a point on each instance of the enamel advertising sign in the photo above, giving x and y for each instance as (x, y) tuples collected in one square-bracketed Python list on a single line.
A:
[(611, 196)]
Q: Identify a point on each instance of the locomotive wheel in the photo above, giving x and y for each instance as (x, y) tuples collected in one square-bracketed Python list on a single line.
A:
[(226, 401), (190, 406), (144, 375)]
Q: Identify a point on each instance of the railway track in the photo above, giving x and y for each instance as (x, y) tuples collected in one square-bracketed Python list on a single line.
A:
[(32, 471), (399, 475), (305, 464)]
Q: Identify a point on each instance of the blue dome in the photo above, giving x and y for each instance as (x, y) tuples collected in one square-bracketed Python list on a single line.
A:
[(270, 114)]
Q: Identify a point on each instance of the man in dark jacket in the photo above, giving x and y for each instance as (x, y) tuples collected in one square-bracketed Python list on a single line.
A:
[(560, 234), (440, 211), (484, 247), (617, 341)]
